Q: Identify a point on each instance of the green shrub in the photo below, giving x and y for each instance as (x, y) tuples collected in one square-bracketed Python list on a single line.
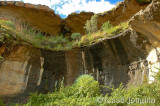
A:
[(106, 26), (10, 24), (4, 35), (2, 39), (58, 42), (111, 30), (96, 36), (107, 30), (91, 25), (30, 31), (39, 36), (7, 24), (83, 91), (59, 47), (70, 44), (1, 103), (58, 39), (86, 86), (93, 21), (86, 91), (156, 75), (76, 36), (84, 40), (87, 27)]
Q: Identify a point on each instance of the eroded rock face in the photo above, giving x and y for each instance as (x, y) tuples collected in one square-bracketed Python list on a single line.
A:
[(18, 68), (123, 12), (124, 58), (41, 17), (44, 19), (147, 22), (128, 58)]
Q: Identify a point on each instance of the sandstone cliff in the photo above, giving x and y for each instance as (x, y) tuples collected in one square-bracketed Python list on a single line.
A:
[(147, 22), (45, 20), (128, 57), (122, 12)]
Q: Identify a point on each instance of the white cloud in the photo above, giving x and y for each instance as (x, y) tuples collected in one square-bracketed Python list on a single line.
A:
[(58, 1), (82, 5), (66, 7)]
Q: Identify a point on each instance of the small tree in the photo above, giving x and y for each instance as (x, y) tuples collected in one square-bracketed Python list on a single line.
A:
[(87, 86), (91, 25), (106, 26), (93, 20), (76, 36)]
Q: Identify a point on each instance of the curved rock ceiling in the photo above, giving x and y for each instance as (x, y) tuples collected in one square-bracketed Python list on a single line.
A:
[(44, 19), (147, 22), (41, 17)]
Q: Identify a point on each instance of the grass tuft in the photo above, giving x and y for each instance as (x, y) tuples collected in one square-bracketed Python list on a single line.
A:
[(59, 42)]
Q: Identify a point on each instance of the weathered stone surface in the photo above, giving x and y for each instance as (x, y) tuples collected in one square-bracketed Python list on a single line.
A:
[(123, 12), (16, 69), (45, 20), (123, 58), (38, 16), (147, 22), (128, 58), (76, 22)]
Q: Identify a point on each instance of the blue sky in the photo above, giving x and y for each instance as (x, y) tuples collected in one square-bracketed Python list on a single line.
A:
[(65, 7)]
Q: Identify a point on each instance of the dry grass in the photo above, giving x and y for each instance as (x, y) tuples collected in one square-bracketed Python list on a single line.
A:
[(29, 35), (106, 31), (84, 40), (59, 42)]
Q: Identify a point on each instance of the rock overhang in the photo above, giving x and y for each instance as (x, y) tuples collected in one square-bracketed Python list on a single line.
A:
[(44, 19), (39, 16)]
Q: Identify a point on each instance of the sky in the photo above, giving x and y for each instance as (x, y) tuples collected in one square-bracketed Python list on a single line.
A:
[(66, 7)]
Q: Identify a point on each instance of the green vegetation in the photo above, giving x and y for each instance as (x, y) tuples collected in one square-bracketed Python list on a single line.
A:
[(7, 24), (91, 25), (106, 26), (8, 32), (1, 103), (6, 28), (110, 30), (38, 40), (76, 36), (106, 31), (84, 87), (84, 40), (86, 92), (29, 35)]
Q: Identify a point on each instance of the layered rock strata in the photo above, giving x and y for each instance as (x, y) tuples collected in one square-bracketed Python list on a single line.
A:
[(42, 18), (129, 57)]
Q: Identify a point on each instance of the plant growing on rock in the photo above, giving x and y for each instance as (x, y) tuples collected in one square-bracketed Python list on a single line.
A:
[(106, 26), (86, 91), (76, 36), (113, 30), (84, 40), (91, 25)]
